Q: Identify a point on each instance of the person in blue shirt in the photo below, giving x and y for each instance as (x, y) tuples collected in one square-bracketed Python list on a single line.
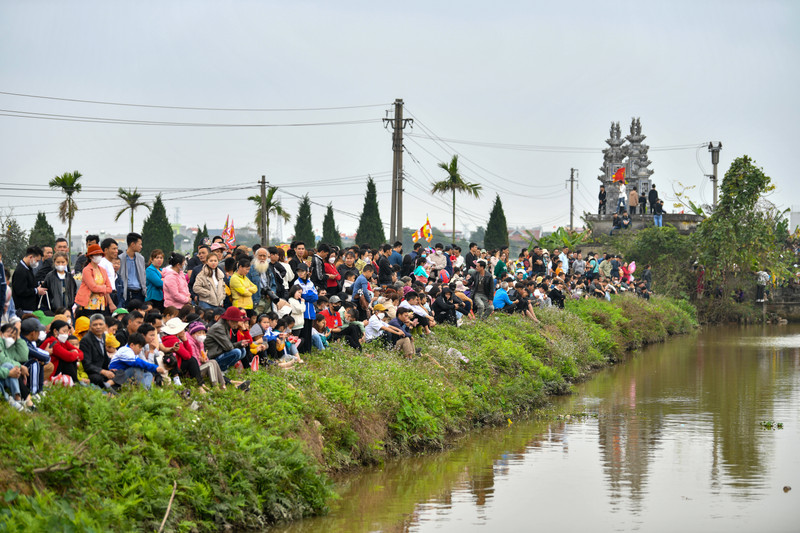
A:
[(153, 281), (127, 361), (310, 297), (396, 259), (501, 300), (362, 296)]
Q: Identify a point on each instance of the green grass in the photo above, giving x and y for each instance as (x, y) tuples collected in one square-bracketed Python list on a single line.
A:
[(246, 460)]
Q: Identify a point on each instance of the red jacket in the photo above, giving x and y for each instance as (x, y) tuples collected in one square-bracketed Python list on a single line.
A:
[(182, 353), (332, 283), (62, 351)]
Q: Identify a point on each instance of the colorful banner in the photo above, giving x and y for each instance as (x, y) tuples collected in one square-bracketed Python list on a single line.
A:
[(425, 232)]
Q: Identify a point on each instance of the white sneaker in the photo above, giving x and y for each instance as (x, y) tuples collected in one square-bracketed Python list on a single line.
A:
[(15, 404), (176, 380)]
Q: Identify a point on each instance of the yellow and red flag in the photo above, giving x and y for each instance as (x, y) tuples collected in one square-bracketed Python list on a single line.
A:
[(619, 175), (425, 232)]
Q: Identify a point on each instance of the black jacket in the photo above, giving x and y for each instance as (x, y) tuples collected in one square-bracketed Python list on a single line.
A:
[(54, 295), (483, 285), (444, 310), (384, 271), (409, 262), (23, 288), (95, 358), (652, 197), (318, 273)]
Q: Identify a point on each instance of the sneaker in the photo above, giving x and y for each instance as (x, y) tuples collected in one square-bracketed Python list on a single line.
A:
[(176, 380), (19, 406)]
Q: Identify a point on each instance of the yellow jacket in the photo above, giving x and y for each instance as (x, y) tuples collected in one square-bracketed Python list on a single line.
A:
[(242, 291)]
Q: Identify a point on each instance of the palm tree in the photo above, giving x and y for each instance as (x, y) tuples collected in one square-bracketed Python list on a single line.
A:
[(455, 183), (132, 199), (274, 207), (68, 183)]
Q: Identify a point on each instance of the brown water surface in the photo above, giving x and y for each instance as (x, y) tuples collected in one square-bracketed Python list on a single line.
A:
[(673, 443)]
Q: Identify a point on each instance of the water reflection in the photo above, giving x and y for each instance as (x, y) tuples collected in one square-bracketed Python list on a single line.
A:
[(676, 441)]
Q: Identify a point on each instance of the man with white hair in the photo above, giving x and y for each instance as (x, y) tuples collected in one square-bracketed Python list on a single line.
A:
[(263, 277)]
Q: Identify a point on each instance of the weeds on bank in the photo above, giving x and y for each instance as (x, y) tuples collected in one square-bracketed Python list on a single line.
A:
[(245, 460)]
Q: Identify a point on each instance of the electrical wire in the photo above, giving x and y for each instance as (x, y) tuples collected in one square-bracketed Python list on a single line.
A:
[(130, 122), (152, 106)]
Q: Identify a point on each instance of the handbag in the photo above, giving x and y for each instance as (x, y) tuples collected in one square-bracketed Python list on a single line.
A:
[(49, 310)]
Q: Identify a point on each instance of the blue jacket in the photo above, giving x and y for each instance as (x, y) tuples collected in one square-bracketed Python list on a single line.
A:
[(501, 299), (396, 258), (255, 277), (125, 358), (361, 285), (309, 296), (154, 283)]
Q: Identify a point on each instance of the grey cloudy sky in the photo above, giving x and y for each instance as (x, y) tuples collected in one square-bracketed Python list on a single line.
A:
[(532, 73)]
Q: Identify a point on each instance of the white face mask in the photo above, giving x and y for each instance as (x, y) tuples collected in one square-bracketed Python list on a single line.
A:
[(9, 341), (381, 315), (63, 337), (201, 339), (332, 260), (61, 268), (96, 259), (42, 336), (438, 252)]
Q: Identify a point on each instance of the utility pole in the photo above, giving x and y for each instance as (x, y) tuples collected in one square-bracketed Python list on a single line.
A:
[(398, 123), (714, 161), (263, 221), (571, 198)]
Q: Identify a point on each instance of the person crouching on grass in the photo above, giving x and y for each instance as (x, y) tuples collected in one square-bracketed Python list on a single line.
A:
[(128, 360)]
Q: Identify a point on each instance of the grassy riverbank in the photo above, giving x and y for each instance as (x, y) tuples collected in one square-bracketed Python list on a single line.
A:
[(85, 461)]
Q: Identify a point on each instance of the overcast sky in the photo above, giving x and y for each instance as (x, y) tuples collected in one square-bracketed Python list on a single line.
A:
[(524, 73)]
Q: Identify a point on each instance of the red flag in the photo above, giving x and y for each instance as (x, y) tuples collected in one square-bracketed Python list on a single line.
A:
[(619, 175)]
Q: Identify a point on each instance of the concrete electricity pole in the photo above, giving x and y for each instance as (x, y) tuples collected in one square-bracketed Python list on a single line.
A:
[(571, 198), (398, 123), (263, 221), (714, 161)]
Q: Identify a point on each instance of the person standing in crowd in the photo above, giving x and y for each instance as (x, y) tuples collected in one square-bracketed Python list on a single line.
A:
[(652, 198), (658, 213), (209, 285), (82, 260), (384, 266), (176, 287), (396, 259), (24, 290), (332, 276), (621, 198), (132, 270), (94, 294), (409, 261), (309, 296), (110, 252), (317, 270), (263, 277), (633, 200), (242, 289), (60, 285), (601, 197), (153, 280)]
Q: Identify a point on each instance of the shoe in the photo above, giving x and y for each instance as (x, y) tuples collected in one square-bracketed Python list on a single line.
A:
[(19, 406), (245, 386)]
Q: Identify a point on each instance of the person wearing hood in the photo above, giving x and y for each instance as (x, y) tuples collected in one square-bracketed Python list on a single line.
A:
[(444, 307), (176, 286), (174, 336), (60, 285)]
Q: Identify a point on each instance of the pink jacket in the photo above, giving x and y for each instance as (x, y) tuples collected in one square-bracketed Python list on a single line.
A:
[(176, 288)]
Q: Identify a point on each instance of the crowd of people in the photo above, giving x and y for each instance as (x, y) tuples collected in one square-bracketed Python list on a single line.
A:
[(621, 218), (116, 317)]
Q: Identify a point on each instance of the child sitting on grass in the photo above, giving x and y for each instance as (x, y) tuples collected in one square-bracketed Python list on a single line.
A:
[(128, 361)]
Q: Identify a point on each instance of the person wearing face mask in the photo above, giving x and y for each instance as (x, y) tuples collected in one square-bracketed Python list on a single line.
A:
[(377, 327), (60, 285), (33, 332), (438, 259), (65, 356), (195, 344), (332, 275), (24, 289), (13, 372), (94, 294)]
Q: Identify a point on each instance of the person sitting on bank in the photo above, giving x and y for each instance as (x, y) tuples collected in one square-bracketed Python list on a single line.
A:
[(127, 361)]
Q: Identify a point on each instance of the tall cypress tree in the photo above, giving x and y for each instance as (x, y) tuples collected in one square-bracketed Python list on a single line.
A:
[(497, 229), (157, 232), (13, 241), (302, 223), (370, 227), (202, 234), (330, 233), (42, 233)]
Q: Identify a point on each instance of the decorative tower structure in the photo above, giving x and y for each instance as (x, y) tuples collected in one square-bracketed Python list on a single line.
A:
[(613, 157), (637, 172)]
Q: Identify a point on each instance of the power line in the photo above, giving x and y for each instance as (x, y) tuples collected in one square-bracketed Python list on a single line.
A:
[(153, 106), (130, 122)]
